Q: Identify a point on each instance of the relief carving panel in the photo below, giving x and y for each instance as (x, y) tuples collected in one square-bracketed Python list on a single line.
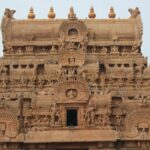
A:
[(72, 91)]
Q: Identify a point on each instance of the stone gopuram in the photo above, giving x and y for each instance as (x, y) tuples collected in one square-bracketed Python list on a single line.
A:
[(74, 84)]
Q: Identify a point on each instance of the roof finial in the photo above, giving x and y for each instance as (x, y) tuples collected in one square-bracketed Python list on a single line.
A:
[(71, 15), (112, 13), (51, 14), (31, 14), (92, 14)]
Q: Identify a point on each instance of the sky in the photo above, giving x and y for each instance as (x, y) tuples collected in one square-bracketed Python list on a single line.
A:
[(81, 8)]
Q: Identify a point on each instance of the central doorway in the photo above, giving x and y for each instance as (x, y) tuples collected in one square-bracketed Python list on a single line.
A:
[(72, 117)]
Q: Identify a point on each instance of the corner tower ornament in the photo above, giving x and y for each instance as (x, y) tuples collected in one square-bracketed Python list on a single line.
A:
[(134, 12), (84, 82)]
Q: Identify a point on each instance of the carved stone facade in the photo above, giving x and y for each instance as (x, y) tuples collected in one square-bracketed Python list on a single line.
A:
[(75, 84)]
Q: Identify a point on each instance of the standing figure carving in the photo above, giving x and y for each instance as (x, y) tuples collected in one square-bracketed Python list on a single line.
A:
[(55, 115), (90, 114)]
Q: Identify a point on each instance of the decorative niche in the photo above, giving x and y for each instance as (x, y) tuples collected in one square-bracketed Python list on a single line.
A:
[(73, 33)]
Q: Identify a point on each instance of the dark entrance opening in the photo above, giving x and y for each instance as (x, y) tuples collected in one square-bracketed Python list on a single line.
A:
[(72, 117)]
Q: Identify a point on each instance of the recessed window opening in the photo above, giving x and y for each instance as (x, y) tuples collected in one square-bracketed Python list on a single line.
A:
[(102, 68), (23, 66), (72, 117), (119, 65), (31, 65), (111, 65), (40, 69), (126, 65), (26, 103), (15, 66)]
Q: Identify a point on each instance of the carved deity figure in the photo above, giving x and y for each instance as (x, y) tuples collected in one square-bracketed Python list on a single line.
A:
[(23, 81), (104, 50), (124, 50), (4, 76), (2, 129), (4, 83), (3, 70), (71, 61), (105, 120), (41, 82), (55, 115), (119, 118), (29, 49), (90, 115), (102, 79), (71, 46), (71, 93), (71, 72), (114, 49), (136, 47), (93, 50), (19, 50), (53, 49), (139, 69), (43, 50), (8, 49), (2, 101)]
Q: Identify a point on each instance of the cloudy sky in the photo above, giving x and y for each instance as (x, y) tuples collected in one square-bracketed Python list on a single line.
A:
[(81, 7)]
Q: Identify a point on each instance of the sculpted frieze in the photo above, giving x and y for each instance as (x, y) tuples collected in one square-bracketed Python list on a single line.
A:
[(137, 124), (115, 50), (26, 50), (96, 117), (97, 112), (44, 119)]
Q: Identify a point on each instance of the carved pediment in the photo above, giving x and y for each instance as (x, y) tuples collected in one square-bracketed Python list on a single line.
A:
[(74, 30), (71, 91)]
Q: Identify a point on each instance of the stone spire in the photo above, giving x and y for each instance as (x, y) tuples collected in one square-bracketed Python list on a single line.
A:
[(31, 14), (71, 15), (51, 14), (92, 14), (112, 13)]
